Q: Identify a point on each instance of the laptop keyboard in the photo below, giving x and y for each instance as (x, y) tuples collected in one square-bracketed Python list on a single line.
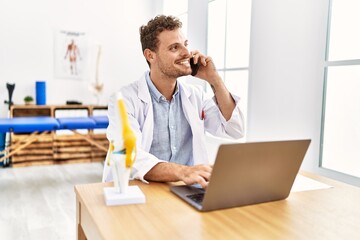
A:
[(197, 197)]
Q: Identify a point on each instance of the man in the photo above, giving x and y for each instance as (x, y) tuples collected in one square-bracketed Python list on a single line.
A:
[(170, 117)]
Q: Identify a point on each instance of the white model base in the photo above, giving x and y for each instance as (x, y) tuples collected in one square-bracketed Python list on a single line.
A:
[(133, 196)]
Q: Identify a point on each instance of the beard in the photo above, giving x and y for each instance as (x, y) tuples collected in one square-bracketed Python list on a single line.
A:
[(172, 71)]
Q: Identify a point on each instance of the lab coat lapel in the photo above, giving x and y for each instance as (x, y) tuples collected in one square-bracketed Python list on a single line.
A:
[(147, 110), (196, 125)]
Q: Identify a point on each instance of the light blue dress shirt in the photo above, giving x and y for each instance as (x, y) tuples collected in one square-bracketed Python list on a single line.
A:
[(172, 137)]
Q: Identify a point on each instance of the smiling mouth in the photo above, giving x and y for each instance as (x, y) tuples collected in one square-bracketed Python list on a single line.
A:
[(184, 63)]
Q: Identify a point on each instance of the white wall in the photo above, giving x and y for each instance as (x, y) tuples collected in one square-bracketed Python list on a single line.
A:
[(286, 72), (27, 45)]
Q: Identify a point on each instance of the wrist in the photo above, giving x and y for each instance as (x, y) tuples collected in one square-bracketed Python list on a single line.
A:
[(216, 84), (180, 172)]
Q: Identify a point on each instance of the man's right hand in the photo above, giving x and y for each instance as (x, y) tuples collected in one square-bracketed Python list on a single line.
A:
[(172, 172), (198, 174)]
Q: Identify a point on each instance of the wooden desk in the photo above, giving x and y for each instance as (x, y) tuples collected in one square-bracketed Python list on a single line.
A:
[(320, 214)]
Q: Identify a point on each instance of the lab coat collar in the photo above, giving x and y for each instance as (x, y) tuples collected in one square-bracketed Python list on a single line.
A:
[(144, 94), (185, 90)]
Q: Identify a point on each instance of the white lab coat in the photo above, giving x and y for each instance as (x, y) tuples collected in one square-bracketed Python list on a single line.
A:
[(140, 111)]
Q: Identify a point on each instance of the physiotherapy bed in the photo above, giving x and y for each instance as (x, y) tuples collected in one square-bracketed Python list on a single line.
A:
[(38, 126)]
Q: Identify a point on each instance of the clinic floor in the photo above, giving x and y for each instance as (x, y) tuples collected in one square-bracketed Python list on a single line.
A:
[(39, 202)]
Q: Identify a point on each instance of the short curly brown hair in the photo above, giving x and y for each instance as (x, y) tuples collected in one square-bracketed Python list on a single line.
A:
[(150, 32)]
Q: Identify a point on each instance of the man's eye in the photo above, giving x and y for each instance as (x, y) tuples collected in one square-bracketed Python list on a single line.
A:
[(173, 48)]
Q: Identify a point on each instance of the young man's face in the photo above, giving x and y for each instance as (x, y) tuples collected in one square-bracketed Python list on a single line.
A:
[(172, 56)]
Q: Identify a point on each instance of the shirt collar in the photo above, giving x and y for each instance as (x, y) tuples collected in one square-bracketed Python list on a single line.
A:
[(154, 92)]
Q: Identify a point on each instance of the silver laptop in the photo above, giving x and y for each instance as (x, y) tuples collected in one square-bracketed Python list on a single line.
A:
[(248, 173)]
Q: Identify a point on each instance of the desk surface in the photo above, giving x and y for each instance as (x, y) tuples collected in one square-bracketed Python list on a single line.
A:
[(320, 214)]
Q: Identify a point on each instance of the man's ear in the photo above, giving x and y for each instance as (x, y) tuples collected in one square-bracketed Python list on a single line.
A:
[(149, 55)]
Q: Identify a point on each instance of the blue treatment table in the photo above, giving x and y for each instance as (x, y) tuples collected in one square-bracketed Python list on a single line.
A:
[(76, 123), (34, 125), (28, 124), (101, 121), (73, 123)]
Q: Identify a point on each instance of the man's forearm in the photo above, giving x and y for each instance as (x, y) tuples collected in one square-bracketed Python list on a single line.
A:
[(164, 172), (224, 99)]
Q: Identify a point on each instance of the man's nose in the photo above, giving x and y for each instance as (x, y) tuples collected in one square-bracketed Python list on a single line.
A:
[(185, 52)]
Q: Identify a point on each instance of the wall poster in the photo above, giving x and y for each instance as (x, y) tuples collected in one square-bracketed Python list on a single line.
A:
[(70, 52)]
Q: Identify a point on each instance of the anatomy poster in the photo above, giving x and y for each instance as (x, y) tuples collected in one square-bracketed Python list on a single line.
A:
[(70, 54)]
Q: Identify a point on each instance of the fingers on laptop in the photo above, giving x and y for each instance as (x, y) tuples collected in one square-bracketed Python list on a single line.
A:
[(198, 174)]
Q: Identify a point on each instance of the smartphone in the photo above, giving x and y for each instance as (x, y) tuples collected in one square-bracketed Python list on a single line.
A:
[(194, 67)]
